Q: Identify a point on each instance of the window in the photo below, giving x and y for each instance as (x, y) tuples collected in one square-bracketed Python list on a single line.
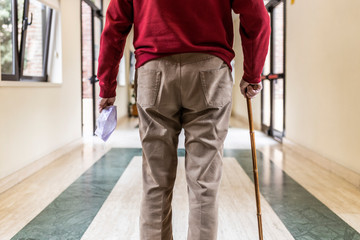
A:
[(274, 79), (25, 34), (98, 3), (6, 36)]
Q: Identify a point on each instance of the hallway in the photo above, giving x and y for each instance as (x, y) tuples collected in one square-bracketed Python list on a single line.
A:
[(60, 182), (94, 192)]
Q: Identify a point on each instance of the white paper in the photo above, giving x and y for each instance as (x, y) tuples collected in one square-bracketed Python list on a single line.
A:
[(106, 122)]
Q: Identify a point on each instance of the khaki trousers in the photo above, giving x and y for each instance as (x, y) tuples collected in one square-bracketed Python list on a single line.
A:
[(190, 91)]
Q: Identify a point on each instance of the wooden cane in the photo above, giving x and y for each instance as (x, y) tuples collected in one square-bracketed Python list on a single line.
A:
[(255, 169)]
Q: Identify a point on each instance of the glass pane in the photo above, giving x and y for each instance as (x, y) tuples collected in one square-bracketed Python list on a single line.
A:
[(97, 3), (97, 34), (87, 70), (278, 33), (6, 37), (266, 106), (20, 17), (86, 50), (278, 99), (266, 69), (35, 40)]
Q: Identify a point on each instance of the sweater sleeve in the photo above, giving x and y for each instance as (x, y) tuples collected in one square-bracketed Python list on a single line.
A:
[(255, 35), (119, 20)]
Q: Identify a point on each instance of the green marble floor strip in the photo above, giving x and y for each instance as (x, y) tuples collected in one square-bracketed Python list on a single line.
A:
[(70, 214), (304, 216)]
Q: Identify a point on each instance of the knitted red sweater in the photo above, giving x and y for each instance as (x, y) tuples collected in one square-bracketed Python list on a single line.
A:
[(164, 27)]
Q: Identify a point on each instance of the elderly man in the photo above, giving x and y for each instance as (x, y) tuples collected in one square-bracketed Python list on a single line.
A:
[(183, 80)]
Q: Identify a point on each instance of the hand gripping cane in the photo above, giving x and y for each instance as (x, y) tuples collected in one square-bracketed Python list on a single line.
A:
[(255, 169)]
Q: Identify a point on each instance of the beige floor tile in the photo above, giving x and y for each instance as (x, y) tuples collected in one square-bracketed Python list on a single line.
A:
[(237, 211)]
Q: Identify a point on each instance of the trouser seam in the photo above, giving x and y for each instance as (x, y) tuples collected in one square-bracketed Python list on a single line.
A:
[(162, 214), (201, 218)]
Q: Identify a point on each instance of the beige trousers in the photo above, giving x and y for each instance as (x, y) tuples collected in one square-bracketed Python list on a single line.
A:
[(190, 91)]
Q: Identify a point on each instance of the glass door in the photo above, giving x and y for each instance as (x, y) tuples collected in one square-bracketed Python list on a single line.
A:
[(96, 87), (92, 24), (273, 77)]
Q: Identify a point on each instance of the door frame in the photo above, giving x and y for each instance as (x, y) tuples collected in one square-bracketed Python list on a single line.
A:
[(95, 12), (269, 130)]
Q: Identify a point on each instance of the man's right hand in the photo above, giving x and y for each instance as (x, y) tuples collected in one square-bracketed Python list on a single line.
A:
[(105, 102)]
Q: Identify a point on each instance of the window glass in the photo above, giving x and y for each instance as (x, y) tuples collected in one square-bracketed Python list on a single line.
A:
[(267, 67), (278, 101), (278, 33), (35, 40), (266, 102), (97, 35), (6, 38), (97, 3), (87, 66), (20, 16), (31, 43)]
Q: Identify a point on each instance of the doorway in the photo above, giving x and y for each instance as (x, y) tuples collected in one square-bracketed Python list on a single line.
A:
[(91, 28), (273, 76)]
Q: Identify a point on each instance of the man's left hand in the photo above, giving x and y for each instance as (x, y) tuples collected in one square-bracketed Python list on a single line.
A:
[(250, 90)]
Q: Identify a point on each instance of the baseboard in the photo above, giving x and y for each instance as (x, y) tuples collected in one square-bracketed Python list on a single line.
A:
[(122, 119), (239, 118), (25, 172), (329, 165), (245, 121)]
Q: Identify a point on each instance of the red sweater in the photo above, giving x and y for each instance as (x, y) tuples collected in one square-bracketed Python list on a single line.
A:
[(164, 27)]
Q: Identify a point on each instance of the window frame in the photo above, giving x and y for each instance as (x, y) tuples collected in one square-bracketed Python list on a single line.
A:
[(18, 54), (272, 76), (95, 13)]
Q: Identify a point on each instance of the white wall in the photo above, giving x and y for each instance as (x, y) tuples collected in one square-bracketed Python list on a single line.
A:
[(40, 118), (323, 61), (239, 101)]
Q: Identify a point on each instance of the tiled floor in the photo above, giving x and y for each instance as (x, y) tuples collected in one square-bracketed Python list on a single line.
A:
[(73, 198)]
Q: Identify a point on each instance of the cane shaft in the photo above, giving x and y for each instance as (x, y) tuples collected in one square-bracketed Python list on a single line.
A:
[(255, 168)]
